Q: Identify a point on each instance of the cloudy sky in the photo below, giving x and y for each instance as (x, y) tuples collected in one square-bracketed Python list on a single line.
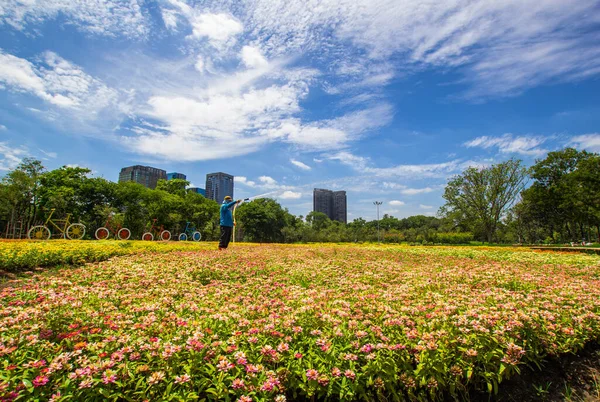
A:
[(383, 98)]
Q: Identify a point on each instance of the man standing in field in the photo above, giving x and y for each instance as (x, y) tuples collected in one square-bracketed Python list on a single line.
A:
[(226, 222)]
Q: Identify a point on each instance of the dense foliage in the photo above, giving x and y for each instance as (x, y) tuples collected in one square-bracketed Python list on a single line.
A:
[(264, 323), (481, 197), (561, 205), (30, 193)]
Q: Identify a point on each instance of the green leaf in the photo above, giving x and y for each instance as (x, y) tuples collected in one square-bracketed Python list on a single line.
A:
[(28, 385)]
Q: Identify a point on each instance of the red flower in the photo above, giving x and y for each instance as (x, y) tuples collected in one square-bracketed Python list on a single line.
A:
[(40, 381)]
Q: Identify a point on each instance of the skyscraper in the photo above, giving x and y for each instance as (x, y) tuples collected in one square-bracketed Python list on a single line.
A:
[(340, 212), (197, 190), (218, 185), (331, 203), (175, 175), (147, 176)]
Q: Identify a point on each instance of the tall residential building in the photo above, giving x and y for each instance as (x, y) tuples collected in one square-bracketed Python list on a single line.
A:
[(147, 176), (340, 212), (197, 190), (218, 185), (175, 175), (331, 203)]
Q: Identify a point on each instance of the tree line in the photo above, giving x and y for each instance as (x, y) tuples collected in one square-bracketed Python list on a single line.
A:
[(557, 200)]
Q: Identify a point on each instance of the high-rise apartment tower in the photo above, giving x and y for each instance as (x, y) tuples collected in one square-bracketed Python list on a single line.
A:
[(219, 185), (147, 176), (331, 203)]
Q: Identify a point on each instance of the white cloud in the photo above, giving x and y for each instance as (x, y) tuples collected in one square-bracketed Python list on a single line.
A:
[(416, 191), (331, 134), (316, 137), (250, 108), (267, 180), (56, 81), (244, 180), (290, 195), (588, 142), (19, 74), (425, 206), (405, 190), (396, 203), (215, 27), (429, 170), (100, 17), (3, 127), (509, 144), (253, 58), (199, 64), (11, 157), (502, 47), (347, 158), (170, 18), (51, 155), (187, 148), (299, 164)]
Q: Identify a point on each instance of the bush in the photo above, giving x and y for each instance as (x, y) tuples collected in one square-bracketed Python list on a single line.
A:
[(453, 238)]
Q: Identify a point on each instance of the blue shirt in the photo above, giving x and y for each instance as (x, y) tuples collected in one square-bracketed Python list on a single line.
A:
[(226, 216)]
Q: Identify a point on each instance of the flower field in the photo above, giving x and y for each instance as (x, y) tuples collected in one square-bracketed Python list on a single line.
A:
[(276, 323), (22, 255)]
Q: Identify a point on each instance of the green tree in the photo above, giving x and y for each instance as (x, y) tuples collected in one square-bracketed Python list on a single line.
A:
[(561, 198), (173, 186), (480, 197), (20, 191), (262, 220), (318, 220)]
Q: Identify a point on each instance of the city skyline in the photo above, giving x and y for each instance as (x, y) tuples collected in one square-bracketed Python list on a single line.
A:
[(383, 105)]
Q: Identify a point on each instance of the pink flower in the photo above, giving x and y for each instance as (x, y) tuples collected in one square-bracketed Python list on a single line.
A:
[(350, 374), (156, 377), (181, 379), (87, 383), (336, 372), (471, 353), (238, 384), (367, 348), (312, 374), (269, 385), (40, 381), (224, 365), (251, 368), (298, 355), (244, 398), (108, 378)]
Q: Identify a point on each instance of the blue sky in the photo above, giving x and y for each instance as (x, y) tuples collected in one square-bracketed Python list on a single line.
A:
[(385, 99)]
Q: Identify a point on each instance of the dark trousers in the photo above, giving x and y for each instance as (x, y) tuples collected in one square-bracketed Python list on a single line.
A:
[(225, 236)]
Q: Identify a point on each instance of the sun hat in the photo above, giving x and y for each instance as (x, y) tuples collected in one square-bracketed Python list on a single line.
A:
[(228, 197)]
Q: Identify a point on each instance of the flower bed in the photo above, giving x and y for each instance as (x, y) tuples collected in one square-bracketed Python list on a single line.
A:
[(22, 255), (293, 322)]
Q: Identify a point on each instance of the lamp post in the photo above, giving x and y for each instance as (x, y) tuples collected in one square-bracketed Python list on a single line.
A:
[(378, 203)]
